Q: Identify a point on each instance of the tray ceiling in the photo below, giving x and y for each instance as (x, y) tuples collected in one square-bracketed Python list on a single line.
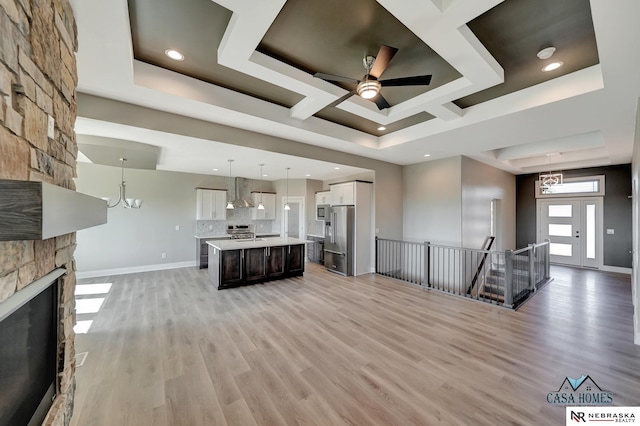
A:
[(333, 36)]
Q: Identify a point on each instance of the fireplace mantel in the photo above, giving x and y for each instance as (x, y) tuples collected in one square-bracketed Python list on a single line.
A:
[(38, 210)]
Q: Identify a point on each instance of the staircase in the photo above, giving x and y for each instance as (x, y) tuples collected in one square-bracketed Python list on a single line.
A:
[(492, 289)]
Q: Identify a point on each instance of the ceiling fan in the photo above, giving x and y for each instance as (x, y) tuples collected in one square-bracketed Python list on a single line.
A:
[(369, 86)]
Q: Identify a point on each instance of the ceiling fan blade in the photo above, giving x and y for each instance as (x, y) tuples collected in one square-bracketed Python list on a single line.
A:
[(331, 77), (381, 102), (341, 99), (418, 80), (384, 56)]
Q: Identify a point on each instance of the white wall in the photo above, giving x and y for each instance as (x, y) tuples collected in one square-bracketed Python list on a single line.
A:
[(131, 237), (135, 239), (635, 276), (432, 202), (480, 184)]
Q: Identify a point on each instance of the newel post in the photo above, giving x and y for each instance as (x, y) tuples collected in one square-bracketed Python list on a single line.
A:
[(532, 267), (547, 252), (508, 279), (427, 254)]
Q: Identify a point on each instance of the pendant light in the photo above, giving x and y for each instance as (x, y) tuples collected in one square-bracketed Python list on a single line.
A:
[(286, 204), (127, 203), (260, 205), (229, 203)]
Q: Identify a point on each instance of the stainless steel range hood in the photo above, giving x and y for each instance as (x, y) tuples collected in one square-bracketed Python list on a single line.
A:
[(242, 195)]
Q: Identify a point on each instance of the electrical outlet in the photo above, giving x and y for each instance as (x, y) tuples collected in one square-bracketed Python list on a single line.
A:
[(377, 230), (177, 227), (210, 227), (164, 255), (611, 231)]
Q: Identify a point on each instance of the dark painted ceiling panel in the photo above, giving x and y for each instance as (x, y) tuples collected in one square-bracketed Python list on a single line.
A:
[(195, 28), (514, 32)]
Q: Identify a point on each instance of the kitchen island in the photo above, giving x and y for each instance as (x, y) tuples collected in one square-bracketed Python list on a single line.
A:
[(234, 263)]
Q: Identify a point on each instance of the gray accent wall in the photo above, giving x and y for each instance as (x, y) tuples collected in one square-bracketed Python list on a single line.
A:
[(635, 276), (616, 215)]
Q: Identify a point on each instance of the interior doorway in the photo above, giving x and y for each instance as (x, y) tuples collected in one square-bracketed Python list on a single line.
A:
[(574, 229), (293, 220)]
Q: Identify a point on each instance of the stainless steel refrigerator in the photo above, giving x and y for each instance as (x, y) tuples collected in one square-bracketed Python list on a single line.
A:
[(339, 240)]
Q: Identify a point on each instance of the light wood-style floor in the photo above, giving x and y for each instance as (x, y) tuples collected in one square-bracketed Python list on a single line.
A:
[(168, 349)]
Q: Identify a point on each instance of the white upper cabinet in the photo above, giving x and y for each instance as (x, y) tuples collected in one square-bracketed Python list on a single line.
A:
[(343, 194), (211, 204), (269, 202), (323, 197)]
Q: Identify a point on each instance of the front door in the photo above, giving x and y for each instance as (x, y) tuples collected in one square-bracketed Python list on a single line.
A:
[(573, 227)]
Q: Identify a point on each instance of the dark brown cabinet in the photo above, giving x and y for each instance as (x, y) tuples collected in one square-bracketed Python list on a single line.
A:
[(232, 268), (255, 264), (276, 261), (295, 261)]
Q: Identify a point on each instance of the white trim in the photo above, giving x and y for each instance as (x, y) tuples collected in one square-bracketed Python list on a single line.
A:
[(134, 269), (600, 193), (618, 269), (636, 339)]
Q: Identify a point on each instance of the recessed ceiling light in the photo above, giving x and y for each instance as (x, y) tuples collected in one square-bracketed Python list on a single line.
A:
[(307, 175), (552, 66), (174, 54), (265, 175), (336, 168), (215, 170), (427, 155), (381, 128)]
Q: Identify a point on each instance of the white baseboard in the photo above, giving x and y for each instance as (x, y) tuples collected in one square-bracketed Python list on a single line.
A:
[(134, 269), (617, 269)]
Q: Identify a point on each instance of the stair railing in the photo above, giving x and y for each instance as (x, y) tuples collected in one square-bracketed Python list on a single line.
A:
[(488, 242), (504, 278)]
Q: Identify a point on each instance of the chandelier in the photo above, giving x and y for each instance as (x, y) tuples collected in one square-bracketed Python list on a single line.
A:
[(547, 180), (127, 203), (550, 179)]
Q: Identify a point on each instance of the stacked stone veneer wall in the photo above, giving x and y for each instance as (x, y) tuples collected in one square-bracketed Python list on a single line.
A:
[(38, 77)]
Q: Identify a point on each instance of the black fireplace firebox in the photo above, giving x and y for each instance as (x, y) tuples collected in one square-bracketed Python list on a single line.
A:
[(29, 352)]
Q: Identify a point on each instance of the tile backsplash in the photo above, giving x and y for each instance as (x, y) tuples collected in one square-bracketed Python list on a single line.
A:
[(235, 217)]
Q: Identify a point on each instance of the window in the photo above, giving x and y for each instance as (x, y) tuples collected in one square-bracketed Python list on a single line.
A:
[(582, 186)]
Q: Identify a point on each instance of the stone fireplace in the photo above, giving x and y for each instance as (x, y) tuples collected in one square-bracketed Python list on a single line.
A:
[(37, 143)]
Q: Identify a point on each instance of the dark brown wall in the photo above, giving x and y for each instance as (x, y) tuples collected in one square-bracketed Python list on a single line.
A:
[(617, 211)]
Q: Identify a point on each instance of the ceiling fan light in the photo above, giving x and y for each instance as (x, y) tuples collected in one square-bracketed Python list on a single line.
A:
[(368, 89)]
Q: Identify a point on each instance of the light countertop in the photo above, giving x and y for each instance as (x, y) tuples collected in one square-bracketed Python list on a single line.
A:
[(244, 244), (228, 237), (204, 237)]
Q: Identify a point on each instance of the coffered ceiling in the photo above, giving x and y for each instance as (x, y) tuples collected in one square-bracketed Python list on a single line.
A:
[(250, 65)]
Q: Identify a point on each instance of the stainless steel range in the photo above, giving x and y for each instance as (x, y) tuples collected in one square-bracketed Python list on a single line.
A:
[(240, 232)]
